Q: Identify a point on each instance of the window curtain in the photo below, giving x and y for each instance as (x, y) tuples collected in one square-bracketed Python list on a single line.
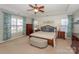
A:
[(7, 26), (24, 25), (33, 23), (70, 26)]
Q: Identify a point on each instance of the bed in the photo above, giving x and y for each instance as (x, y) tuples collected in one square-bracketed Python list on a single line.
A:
[(46, 35)]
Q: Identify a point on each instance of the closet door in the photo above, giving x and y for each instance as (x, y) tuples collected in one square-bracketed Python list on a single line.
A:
[(1, 27)]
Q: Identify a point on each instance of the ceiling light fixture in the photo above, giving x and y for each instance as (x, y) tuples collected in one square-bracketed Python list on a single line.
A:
[(36, 10)]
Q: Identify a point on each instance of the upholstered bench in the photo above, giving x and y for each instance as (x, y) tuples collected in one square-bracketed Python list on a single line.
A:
[(38, 42)]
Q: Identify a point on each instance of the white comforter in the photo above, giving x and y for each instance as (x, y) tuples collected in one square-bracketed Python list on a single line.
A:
[(47, 35)]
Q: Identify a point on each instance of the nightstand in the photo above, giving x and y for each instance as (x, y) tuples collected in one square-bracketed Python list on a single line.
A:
[(61, 34)]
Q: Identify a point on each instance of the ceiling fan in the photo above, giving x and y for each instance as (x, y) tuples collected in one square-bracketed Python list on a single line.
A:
[(36, 8)]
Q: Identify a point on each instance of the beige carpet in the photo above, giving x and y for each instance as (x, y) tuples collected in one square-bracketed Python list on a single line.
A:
[(22, 46)]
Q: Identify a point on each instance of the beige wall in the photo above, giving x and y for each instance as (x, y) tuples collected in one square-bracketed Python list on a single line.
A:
[(76, 26), (28, 20), (51, 20)]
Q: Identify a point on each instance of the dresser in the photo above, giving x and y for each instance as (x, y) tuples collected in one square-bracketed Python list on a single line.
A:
[(29, 29), (75, 43)]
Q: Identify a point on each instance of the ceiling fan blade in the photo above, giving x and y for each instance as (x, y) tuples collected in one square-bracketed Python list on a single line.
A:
[(29, 9), (41, 10), (31, 6), (36, 5), (41, 7)]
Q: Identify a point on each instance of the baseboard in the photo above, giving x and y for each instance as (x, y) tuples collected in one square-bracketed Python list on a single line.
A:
[(11, 39)]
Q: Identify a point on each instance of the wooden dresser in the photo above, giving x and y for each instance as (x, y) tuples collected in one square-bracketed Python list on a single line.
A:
[(29, 29), (75, 43), (61, 34)]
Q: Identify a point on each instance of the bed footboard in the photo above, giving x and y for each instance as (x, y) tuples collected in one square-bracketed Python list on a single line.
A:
[(50, 41)]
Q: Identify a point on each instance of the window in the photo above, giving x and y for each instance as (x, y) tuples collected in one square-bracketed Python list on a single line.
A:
[(16, 24), (19, 25), (64, 23), (13, 25)]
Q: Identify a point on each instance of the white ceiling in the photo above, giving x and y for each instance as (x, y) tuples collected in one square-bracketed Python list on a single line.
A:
[(50, 9)]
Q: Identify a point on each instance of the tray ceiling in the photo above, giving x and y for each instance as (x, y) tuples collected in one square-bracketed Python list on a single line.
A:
[(50, 9)]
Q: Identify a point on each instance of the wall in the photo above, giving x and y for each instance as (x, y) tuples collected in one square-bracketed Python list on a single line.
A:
[(28, 20), (51, 20), (1, 26), (76, 26)]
